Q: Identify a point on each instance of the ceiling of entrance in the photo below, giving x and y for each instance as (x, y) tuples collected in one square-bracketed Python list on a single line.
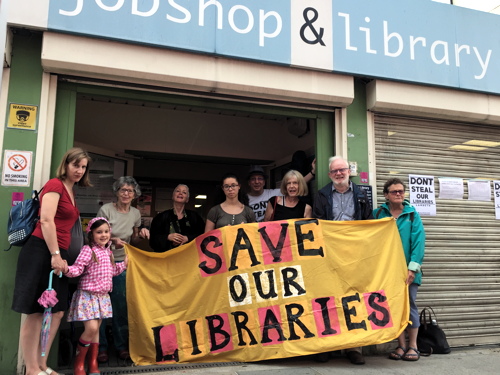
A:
[(152, 131)]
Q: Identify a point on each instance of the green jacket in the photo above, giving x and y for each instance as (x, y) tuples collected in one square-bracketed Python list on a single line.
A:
[(412, 235)]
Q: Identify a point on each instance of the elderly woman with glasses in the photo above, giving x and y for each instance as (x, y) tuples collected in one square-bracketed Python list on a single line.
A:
[(125, 221), (231, 208), (412, 235)]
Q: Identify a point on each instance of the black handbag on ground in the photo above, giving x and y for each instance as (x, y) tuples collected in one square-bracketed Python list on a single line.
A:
[(431, 338)]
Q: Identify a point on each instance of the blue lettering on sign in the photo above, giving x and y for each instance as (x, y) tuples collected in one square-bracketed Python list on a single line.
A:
[(404, 40), (247, 29)]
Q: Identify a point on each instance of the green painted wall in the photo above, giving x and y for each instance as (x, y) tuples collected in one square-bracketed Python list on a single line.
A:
[(24, 88), (64, 126), (325, 147), (357, 139)]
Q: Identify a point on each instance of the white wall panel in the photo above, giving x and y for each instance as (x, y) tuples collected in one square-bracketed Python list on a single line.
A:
[(115, 61)]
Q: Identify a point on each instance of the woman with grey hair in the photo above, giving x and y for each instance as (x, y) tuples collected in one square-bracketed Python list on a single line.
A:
[(176, 226), (289, 206), (125, 221)]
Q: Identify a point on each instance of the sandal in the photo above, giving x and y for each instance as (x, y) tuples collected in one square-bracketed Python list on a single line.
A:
[(49, 371), (395, 355), (411, 357)]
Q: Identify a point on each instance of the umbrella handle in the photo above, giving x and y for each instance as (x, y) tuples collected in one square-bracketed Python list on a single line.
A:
[(50, 278)]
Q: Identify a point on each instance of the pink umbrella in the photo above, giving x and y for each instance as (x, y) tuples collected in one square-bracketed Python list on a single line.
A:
[(48, 299)]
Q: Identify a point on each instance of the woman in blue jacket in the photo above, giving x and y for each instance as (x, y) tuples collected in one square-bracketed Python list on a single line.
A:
[(412, 235)]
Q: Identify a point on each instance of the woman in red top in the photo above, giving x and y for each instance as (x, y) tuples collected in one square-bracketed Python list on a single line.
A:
[(45, 250)]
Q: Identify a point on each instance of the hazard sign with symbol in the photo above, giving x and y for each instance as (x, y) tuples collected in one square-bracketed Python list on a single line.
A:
[(22, 116), (16, 168)]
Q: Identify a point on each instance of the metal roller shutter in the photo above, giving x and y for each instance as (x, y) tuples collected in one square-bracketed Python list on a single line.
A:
[(461, 278)]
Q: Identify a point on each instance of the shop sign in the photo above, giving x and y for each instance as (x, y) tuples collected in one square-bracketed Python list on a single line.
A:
[(414, 41)]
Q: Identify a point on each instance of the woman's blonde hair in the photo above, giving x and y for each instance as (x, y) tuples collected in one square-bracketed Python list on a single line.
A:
[(75, 154), (303, 190)]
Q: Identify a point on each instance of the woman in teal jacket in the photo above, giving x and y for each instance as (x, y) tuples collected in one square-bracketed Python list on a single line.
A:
[(412, 235)]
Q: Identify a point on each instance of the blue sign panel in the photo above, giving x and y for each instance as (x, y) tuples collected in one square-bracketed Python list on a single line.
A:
[(244, 29), (422, 42), (258, 30), (405, 40)]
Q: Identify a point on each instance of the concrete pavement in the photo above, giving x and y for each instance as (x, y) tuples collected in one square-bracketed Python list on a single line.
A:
[(478, 360)]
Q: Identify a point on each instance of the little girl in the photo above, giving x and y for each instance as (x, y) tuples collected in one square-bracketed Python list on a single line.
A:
[(91, 302)]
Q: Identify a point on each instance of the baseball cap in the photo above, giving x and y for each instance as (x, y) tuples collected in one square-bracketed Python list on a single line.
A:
[(256, 169)]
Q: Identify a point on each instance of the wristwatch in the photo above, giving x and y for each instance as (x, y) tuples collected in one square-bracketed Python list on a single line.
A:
[(57, 252)]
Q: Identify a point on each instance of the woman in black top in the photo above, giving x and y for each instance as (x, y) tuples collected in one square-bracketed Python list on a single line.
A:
[(176, 226), (289, 206)]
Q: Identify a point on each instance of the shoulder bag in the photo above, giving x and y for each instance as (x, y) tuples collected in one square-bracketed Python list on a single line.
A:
[(431, 338)]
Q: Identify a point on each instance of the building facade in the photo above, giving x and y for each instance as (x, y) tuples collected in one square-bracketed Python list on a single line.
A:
[(183, 91)]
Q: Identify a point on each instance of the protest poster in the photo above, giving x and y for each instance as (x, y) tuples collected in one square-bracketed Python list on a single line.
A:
[(268, 290), (496, 193), (422, 194)]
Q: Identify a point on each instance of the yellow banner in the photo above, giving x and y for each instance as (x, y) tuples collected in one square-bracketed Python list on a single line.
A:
[(268, 290)]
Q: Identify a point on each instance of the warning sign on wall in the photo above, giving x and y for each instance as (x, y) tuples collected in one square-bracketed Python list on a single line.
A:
[(22, 116), (16, 168)]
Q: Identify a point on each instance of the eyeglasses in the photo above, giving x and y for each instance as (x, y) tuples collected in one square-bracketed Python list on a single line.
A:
[(395, 192), (124, 191), (227, 187), (340, 170)]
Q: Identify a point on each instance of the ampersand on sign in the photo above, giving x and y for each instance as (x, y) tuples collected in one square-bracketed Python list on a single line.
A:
[(309, 25)]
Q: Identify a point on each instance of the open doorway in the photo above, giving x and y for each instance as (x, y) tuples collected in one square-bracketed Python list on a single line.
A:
[(194, 142)]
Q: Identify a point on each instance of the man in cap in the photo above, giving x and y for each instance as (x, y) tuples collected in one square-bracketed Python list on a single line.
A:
[(258, 196), (342, 200)]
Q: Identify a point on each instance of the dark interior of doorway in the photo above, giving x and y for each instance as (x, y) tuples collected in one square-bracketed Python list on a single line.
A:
[(170, 143)]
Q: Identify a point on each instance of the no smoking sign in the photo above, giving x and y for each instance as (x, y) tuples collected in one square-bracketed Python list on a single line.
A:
[(16, 168)]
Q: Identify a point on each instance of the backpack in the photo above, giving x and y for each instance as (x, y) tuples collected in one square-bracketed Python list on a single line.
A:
[(22, 220)]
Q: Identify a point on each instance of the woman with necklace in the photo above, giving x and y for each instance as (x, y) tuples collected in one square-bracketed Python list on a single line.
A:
[(125, 221), (176, 226), (233, 208), (411, 231), (289, 206)]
